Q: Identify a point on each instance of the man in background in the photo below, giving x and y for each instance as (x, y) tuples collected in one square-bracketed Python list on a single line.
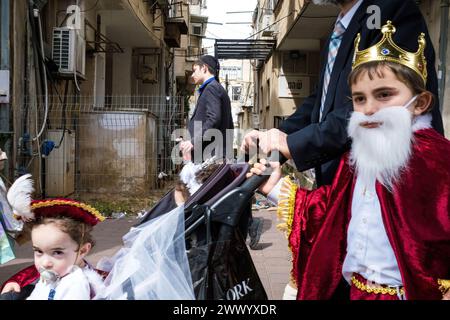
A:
[(213, 111)]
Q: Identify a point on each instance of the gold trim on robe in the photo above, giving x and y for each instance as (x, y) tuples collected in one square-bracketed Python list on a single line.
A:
[(286, 205)]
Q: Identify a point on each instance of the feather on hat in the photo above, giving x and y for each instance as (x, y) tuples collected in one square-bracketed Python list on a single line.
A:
[(19, 196)]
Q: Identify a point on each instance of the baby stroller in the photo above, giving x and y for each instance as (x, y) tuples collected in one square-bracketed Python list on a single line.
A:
[(216, 218)]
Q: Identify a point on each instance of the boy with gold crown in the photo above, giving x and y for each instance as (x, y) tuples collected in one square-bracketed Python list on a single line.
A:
[(61, 237), (381, 231)]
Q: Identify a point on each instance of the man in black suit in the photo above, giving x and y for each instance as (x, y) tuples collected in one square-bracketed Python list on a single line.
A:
[(213, 111), (315, 136)]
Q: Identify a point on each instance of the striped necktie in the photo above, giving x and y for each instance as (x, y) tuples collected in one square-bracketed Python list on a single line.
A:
[(335, 42)]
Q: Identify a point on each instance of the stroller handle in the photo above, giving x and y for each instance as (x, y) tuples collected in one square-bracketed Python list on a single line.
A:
[(254, 182)]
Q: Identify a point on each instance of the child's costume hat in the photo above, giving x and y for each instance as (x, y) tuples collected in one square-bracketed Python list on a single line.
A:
[(66, 208), (387, 50)]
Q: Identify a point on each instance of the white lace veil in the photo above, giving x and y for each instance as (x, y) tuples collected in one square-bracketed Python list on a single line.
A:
[(152, 265)]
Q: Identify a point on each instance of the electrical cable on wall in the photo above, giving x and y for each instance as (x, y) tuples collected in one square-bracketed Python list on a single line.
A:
[(91, 8), (76, 60), (45, 73), (44, 123)]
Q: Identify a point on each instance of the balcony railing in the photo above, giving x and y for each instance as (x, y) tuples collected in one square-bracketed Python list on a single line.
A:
[(176, 10)]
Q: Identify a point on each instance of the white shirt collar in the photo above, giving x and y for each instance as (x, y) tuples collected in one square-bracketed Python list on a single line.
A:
[(345, 20)]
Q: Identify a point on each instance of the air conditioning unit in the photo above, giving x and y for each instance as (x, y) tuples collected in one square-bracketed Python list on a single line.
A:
[(267, 26), (69, 52), (267, 21)]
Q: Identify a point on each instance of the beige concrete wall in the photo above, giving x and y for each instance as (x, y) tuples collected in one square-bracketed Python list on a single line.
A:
[(140, 8), (266, 93), (291, 10), (272, 105), (122, 76), (180, 57)]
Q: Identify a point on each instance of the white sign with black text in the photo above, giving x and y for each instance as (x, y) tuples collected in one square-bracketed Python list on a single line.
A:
[(293, 86)]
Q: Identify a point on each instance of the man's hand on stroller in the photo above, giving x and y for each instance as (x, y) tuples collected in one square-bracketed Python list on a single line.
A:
[(185, 148), (268, 141), (249, 140), (11, 286), (260, 168)]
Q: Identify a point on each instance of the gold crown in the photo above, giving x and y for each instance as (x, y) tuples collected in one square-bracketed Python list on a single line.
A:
[(387, 50)]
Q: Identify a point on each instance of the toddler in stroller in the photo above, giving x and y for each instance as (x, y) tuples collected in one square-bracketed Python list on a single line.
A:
[(60, 232)]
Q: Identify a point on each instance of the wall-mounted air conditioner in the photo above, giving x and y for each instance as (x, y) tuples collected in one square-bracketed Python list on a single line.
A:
[(69, 52), (267, 26)]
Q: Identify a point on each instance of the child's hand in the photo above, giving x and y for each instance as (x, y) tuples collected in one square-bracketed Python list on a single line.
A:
[(446, 295), (259, 168), (11, 286)]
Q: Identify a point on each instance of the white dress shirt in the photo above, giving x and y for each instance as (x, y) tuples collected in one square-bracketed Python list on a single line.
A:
[(77, 285), (369, 251), (349, 15)]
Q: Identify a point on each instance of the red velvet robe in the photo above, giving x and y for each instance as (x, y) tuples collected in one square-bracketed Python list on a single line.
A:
[(415, 215), (24, 277)]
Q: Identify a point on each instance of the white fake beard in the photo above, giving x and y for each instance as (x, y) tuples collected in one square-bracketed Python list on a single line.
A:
[(381, 153)]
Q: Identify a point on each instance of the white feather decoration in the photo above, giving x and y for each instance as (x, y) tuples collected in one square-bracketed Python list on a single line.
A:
[(19, 196)]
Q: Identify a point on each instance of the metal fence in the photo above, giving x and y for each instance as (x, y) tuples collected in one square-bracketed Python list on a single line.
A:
[(116, 145)]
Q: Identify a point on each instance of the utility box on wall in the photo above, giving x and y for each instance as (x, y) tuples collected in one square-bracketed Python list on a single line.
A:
[(60, 165)]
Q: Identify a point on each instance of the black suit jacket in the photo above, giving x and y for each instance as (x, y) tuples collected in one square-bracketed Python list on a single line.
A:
[(213, 110), (319, 145)]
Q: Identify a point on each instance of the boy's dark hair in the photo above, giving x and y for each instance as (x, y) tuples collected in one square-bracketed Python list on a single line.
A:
[(211, 63), (406, 75)]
